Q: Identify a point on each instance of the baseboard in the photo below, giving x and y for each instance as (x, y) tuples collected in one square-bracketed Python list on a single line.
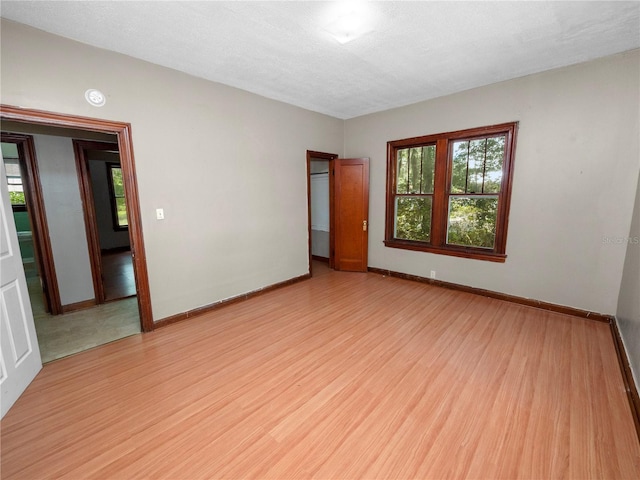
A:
[(320, 259), (74, 307), (600, 317), (627, 376), (229, 301)]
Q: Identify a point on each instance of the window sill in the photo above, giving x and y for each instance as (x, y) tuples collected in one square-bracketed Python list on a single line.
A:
[(463, 252)]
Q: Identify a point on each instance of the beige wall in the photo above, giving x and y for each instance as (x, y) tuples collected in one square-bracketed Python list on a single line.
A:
[(227, 166), (628, 315), (576, 168)]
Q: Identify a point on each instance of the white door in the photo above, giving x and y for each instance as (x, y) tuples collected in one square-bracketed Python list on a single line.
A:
[(19, 353)]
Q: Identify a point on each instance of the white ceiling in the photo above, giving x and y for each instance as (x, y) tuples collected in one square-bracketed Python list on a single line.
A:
[(281, 50)]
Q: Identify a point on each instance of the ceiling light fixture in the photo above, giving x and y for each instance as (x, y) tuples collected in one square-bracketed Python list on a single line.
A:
[(95, 97), (352, 20)]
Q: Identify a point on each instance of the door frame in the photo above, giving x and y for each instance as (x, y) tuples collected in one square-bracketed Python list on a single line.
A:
[(330, 157), (89, 210), (125, 146), (38, 218)]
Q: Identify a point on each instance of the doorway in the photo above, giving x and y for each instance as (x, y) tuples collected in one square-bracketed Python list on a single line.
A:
[(27, 207), (320, 205), (105, 217), (122, 133), (348, 211)]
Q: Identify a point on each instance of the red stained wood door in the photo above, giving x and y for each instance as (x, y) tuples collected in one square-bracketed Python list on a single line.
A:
[(351, 207)]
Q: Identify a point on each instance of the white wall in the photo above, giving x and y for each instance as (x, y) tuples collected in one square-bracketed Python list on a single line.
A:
[(227, 166), (576, 168), (65, 218), (628, 315)]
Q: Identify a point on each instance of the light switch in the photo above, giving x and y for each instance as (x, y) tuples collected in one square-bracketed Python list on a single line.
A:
[(160, 213)]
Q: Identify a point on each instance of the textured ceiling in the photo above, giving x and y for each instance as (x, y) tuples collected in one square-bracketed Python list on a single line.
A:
[(282, 50)]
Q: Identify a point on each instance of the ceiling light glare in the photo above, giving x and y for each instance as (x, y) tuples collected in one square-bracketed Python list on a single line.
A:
[(95, 97), (350, 21)]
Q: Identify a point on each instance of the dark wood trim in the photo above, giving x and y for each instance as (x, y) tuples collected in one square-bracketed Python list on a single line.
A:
[(462, 252), (320, 259), (74, 307), (332, 212), (600, 317), (89, 210), (229, 301), (442, 187), (330, 157), (37, 215), (627, 376), (125, 147)]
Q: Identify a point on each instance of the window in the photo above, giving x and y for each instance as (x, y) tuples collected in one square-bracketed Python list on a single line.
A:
[(118, 203), (14, 176), (449, 193)]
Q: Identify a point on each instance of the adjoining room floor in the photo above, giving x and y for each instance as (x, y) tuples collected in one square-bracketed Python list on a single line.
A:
[(69, 333), (342, 376), (117, 273), (75, 332)]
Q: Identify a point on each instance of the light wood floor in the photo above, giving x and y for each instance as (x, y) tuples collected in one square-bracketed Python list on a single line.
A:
[(343, 376)]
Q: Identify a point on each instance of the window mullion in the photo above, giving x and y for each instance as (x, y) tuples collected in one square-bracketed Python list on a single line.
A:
[(440, 192)]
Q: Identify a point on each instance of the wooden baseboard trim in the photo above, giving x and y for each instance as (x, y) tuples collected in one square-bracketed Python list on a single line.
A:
[(74, 307), (320, 259), (229, 301), (627, 376), (600, 317)]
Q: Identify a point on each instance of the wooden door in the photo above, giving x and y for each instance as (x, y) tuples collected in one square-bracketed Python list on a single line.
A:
[(351, 207), (19, 351)]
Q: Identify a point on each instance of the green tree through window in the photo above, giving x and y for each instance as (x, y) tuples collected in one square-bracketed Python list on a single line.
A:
[(118, 202)]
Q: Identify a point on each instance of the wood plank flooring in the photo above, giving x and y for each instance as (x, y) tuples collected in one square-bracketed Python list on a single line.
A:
[(343, 376), (117, 274)]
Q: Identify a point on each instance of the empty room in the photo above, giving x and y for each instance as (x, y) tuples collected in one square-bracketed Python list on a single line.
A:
[(366, 240)]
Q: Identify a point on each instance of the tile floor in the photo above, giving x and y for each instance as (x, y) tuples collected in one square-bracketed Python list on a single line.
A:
[(63, 335)]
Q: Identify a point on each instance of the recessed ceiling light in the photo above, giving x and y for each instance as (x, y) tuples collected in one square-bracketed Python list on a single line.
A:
[(95, 97)]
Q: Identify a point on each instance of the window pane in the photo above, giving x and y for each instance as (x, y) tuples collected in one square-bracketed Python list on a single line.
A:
[(122, 212), (428, 168), (415, 170), (477, 165), (472, 221), (413, 218), (402, 177), (493, 164), (16, 197), (116, 177), (460, 154), (476, 161), (13, 169)]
